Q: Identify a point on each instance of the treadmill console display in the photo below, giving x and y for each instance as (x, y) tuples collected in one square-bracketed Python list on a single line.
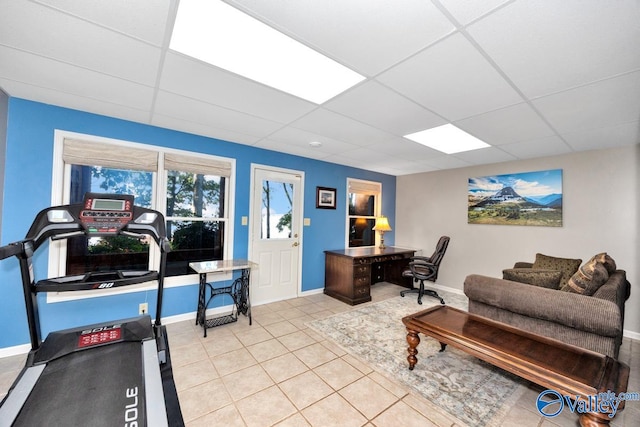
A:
[(106, 216), (100, 335)]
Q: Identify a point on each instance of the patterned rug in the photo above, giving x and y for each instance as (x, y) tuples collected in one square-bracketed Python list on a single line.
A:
[(469, 389)]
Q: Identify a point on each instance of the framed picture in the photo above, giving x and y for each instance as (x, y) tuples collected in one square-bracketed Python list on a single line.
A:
[(325, 198), (529, 198)]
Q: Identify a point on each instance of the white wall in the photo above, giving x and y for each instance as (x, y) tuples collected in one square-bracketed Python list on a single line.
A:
[(600, 214)]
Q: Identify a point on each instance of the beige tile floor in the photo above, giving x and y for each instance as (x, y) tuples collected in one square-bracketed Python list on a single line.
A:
[(278, 372)]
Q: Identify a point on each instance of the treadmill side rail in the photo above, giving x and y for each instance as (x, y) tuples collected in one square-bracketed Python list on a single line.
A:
[(154, 399), (15, 400)]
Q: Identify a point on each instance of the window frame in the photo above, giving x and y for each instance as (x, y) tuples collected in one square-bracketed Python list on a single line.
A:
[(60, 195), (376, 188)]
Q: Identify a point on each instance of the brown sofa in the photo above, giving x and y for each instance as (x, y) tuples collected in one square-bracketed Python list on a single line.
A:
[(594, 322)]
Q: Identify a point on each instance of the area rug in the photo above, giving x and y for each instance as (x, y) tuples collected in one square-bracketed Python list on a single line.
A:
[(467, 388)]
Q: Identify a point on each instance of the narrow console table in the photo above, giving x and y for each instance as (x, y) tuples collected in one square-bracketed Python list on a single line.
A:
[(349, 273), (569, 370), (239, 291)]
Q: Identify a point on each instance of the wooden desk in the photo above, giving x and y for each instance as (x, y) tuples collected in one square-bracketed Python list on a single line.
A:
[(349, 273), (569, 370), (239, 291)]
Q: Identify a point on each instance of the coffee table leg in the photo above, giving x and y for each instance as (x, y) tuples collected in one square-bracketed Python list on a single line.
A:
[(594, 420), (442, 347), (413, 340)]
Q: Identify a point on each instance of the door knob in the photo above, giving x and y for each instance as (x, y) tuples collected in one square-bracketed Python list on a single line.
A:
[(295, 244)]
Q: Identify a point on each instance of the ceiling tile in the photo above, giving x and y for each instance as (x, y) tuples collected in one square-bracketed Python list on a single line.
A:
[(507, 125), (406, 149), (368, 36), (168, 104), (390, 111), (336, 126), (549, 146), (281, 147), (447, 162), (212, 85), (451, 79), (465, 11), (203, 130), (485, 155), (142, 19), (300, 139), (76, 102), (65, 78), (53, 34), (605, 137), (546, 47), (605, 103)]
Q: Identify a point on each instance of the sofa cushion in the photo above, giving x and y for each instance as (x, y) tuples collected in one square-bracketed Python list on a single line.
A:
[(568, 266), (607, 261), (536, 277), (588, 279)]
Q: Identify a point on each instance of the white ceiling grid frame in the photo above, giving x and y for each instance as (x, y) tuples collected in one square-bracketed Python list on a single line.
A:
[(571, 63)]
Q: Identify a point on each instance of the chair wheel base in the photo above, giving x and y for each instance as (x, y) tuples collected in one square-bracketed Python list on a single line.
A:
[(422, 292)]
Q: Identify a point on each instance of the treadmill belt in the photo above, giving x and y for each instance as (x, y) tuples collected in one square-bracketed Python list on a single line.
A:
[(102, 386)]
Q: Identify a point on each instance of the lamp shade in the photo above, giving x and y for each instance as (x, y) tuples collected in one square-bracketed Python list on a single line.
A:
[(382, 224)]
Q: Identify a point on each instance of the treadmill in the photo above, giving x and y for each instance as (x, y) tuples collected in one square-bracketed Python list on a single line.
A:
[(116, 373)]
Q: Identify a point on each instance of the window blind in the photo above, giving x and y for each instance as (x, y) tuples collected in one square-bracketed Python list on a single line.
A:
[(201, 165), (86, 153), (364, 187)]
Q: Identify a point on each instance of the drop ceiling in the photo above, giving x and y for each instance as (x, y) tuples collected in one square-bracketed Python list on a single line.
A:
[(530, 78)]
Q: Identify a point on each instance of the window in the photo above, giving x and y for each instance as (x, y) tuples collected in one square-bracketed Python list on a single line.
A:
[(363, 208), (192, 191)]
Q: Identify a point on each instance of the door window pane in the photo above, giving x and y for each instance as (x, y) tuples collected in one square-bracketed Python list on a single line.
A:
[(276, 210)]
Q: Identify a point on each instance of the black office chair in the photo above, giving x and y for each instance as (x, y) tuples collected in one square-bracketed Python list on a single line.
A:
[(426, 268)]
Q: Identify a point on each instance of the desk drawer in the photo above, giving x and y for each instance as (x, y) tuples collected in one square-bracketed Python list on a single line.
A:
[(361, 270), (361, 281)]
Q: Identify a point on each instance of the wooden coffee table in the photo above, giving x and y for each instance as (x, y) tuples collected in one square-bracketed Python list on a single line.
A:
[(569, 370)]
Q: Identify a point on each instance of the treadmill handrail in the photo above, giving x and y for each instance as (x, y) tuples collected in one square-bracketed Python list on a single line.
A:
[(84, 282), (42, 228), (12, 249)]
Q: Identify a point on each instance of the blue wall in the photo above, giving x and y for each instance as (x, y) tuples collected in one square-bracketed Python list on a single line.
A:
[(28, 171)]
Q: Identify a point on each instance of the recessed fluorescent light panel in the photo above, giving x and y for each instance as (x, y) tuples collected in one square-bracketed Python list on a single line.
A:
[(448, 139), (221, 35)]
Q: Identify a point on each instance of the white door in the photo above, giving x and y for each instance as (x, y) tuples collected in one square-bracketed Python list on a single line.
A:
[(275, 235)]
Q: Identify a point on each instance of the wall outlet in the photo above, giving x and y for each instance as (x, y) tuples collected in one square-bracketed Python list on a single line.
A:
[(143, 308)]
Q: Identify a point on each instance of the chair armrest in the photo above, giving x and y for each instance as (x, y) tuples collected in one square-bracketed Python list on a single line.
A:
[(422, 270), (421, 259)]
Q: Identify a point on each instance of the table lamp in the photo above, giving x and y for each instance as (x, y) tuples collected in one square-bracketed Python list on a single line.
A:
[(382, 225)]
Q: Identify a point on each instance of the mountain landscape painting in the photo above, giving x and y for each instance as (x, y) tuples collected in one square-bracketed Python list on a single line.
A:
[(529, 198)]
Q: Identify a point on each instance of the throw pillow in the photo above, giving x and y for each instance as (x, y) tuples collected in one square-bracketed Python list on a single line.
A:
[(607, 261), (568, 266), (588, 279), (536, 277)]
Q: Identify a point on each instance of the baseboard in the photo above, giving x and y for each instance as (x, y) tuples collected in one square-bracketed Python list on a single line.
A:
[(444, 288), (312, 292), (631, 335), (15, 350)]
